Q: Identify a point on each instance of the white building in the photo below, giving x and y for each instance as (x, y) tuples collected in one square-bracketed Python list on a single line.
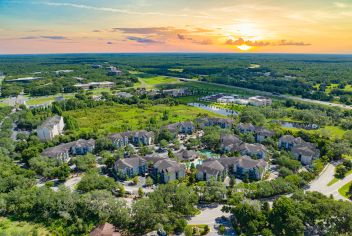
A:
[(52, 127), (260, 101), (226, 99), (241, 101)]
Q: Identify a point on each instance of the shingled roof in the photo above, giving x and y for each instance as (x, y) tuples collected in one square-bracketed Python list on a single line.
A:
[(168, 165), (133, 162)]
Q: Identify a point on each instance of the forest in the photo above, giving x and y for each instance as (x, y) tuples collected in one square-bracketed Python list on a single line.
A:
[(320, 77)]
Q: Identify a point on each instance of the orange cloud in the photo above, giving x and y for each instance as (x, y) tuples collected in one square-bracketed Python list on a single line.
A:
[(283, 42)]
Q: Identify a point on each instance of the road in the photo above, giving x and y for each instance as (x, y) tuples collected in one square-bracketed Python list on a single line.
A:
[(208, 217), (259, 92), (320, 184)]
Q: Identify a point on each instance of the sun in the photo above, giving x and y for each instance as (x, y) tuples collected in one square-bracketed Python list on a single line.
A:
[(244, 47)]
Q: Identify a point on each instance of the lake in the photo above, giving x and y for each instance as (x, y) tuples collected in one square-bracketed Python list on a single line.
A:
[(220, 111)]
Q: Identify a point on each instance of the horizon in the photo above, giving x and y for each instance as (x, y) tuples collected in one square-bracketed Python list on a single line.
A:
[(139, 26)]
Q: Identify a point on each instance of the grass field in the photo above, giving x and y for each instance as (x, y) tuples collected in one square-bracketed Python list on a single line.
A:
[(153, 82), (344, 190), (117, 118), (13, 228), (331, 132)]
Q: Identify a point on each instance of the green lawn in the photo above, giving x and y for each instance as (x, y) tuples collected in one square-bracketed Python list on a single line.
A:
[(176, 70), (8, 227), (117, 118), (153, 82), (331, 132), (345, 189)]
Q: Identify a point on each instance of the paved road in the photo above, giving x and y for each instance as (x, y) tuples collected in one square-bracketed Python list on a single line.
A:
[(208, 216), (320, 184), (259, 92), (72, 182)]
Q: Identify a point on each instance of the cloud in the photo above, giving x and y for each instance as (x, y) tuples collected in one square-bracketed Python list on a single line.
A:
[(143, 40), (201, 42), (109, 43), (97, 31), (105, 9), (55, 37), (340, 5), (162, 30), (241, 41)]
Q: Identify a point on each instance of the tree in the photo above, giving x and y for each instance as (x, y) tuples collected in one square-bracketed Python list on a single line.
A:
[(163, 143), (213, 191), (149, 181), (140, 192), (286, 218), (135, 180), (249, 218), (340, 171), (252, 115), (62, 172), (86, 162), (93, 181), (170, 154)]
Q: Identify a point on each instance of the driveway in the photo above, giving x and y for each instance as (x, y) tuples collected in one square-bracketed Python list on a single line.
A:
[(209, 216), (320, 184), (71, 183)]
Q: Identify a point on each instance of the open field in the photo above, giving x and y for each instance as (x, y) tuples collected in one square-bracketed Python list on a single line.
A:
[(153, 82), (117, 118), (332, 132), (8, 227)]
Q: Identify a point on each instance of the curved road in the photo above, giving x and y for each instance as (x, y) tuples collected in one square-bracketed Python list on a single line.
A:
[(320, 184), (259, 92)]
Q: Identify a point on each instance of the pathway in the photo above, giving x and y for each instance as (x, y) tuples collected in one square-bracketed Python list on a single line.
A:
[(209, 216)]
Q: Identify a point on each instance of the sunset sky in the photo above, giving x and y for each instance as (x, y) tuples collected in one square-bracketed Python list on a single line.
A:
[(70, 26)]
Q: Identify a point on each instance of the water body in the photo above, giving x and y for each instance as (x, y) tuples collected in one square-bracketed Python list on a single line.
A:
[(220, 111), (292, 124)]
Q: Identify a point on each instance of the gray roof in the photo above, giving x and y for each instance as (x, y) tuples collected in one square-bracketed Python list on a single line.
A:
[(246, 126), (84, 143), (133, 162), (176, 126), (228, 139), (124, 95), (211, 166), (168, 165), (253, 148), (186, 155), (153, 158), (50, 122), (57, 150), (249, 163), (264, 132), (143, 133), (65, 147), (291, 139), (306, 149)]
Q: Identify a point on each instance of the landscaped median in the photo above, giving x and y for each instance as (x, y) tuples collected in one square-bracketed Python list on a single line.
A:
[(346, 190)]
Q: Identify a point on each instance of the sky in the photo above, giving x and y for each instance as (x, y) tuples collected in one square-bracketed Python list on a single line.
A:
[(258, 26)]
